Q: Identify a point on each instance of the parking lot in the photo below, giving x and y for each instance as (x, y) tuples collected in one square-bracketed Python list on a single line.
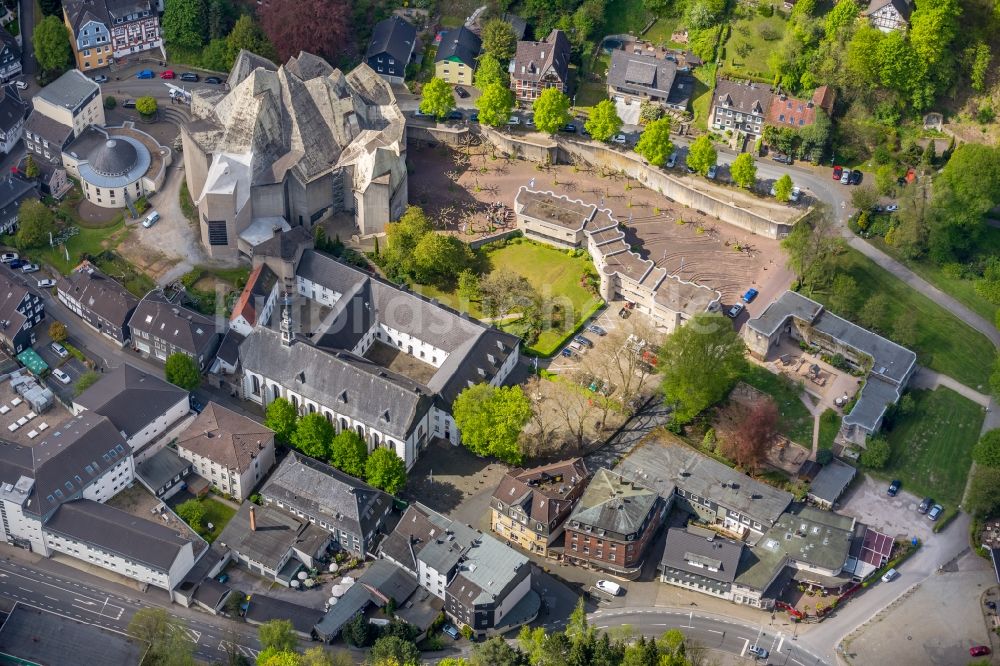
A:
[(70, 365), (30, 426), (896, 516)]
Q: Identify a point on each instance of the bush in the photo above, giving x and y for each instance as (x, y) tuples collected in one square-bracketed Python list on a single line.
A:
[(876, 454), (110, 102), (146, 106)]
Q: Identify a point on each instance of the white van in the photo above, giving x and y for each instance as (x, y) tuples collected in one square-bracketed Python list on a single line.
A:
[(151, 219), (890, 576)]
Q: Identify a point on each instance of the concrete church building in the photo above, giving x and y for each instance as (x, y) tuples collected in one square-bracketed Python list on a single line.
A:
[(292, 145)]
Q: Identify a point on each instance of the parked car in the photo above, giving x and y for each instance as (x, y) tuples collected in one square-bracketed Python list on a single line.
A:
[(451, 631), (712, 171), (222, 578), (795, 195), (750, 295), (935, 512), (47, 282), (894, 487), (671, 161), (846, 177), (461, 92), (190, 76), (624, 313), (17, 263), (781, 158), (567, 352), (735, 311), (59, 350), (619, 139), (992, 605), (214, 80), (100, 78), (586, 342), (145, 74), (891, 208), (8, 257), (758, 652), (513, 120), (856, 177), (569, 128), (838, 171), (61, 376), (979, 651), (612, 588), (455, 115), (128, 104), (168, 74), (20, 85), (29, 268), (151, 219), (890, 576), (474, 117), (594, 328), (196, 405), (925, 505), (529, 121)]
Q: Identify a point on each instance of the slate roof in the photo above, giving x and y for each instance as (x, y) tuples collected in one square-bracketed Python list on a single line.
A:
[(211, 592), (118, 532), (745, 98), (42, 637), (534, 60), (320, 490), (229, 348), (486, 568), (831, 481), (13, 191), (277, 532), (12, 108), (259, 286), (284, 245), (353, 602), (99, 293), (225, 437), (11, 296), (459, 44), (614, 504), (684, 546), (641, 74), (394, 36), (385, 580), (263, 608), (131, 398), (70, 90), (160, 468), (50, 130), (180, 326), (902, 6), (538, 492), (518, 24)]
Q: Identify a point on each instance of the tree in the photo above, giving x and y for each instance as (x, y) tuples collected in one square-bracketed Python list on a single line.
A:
[(495, 652), (490, 419), (34, 224), (603, 122), (192, 512), (182, 370), (110, 102), (874, 312), (966, 188), (876, 453), (844, 295), (281, 417), (402, 237), (783, 188), (437, 99), (312, 436), (744, 171), (495, 105), (490, 71), (980, 66), (52, 49), (864, 198), (841, 16), (30, 167), (322, 27), (700, 362), (168, 643), (468, 286), (357, 632), (499, 40), (317, 656), (577, 627), (655, 144), (438, 259), (551, 110), (57, 331), (274, 657), (393, 651), (247, 35), (184, 24), (501, 292), (812, 247), (385, 470), (146, 105), (277, 634), (987, 449), (983, 499), (702, 155), (749, 441), (348, 453)]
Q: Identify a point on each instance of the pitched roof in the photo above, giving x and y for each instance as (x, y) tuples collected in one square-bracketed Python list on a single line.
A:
[(612, 503), (517, 24), (161, 467), (342, 501), (535, 60), (743, 97), (180, 326), (225, 437), (545, 492), (394, 36), (641, 74), (99, 293), (703, 553), (11, 295), (50, 130), (788, 111), (131, 398), (258, 287), (13, 109), (70, 90), (831, 481), (277, 532), (80, 12), (13, 191), (902, 6), (459, 44)]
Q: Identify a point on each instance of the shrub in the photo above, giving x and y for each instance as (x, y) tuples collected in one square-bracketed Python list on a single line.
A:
[(876, 454), (110, 102)]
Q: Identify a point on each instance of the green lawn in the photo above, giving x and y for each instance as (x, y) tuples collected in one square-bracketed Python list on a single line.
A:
[(944, 343), (88, 241), (701, 100), (750, 43), (829, 426), (932, 448), (624, 16), (552, 272), (661, 31), (796, 421), (218, 514)]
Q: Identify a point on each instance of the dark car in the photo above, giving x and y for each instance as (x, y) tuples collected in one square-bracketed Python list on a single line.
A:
[(455, 115), (856, 177), (18, 263), (214, 80), (594, 328), (461, 92), (128, 104), (569, 128), (474, 117), (992, 605), (145, 74), (894, 488), (586, 342), (196, 405), (925, 505), (567, 352), (190, 76), (935, 512), (782, 158)]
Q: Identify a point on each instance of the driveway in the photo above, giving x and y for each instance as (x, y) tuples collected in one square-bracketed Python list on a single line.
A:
[(896, 516)]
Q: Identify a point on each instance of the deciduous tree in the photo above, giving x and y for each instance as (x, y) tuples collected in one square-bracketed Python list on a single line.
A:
[(57, 331), (385, 470), (490, 418), (812, 248), (439, 258), (490, 71), (502, 292), (34, 224), (495, 652), (983, 499), (312, 436), (551, 110), (783, 188), (702, 155), (874, 313), (603, 122), (281, 417), (192, 512), (748, 442), (30, 167), (744, 171), (876, 453), (182, 370), (987, 449), (495, 105), (321, 27), (844, 295), (146, 105), (499, 40), (52, 49), (184, 24), (437, 99), (277, 634), (246, 34), (348, 453), (843, 15), (655, 144), (394, 651), (168, 643), (864, 197)]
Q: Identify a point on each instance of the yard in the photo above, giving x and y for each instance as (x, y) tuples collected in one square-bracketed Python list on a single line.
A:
[(88, 241), (932, 448), (751, 42), (216, 512), (796, 422), (829, 426), (944, 343)]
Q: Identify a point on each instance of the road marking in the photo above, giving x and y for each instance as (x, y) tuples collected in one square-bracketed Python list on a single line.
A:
[(25, 589), (716, 631), (746, 644), (781, 642), (52, 598), (240, 649)]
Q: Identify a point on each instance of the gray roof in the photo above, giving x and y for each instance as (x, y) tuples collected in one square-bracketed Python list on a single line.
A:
[(50, 130), (704, 547), (615, 504), (386, 580), (12, 108), (211, 592), (10, 43), (43, 637), (160, 468), (682, 90), (664, 465), (641, 74), (353, 602), (229, 348), (485, 570), (13, 191), (459, 44), (180, 326), (100, 294), (743, 97), (324, 492), (118, 532), (225, 437), (831, 481), (789, 304), (518, 24), (113, 162), (284, 245), (535, 60), (263, 608), (277, 532), (394, 36), (113, 157), (70, 90), (131, 398)]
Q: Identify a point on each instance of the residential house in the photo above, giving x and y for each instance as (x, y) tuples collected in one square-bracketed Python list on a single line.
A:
[(13, 192), (163, 473), (613, 524), (61, 111), (636, 77), (540, 65), (348, 508), (484, 584), (141, 406), (10, 57), (517, 24), (20, 311), (13, 112), (105, 31), (160, 328), (256, 302), (391, 48), (740, 107), (455, 61), (529, 506), (105, 305), (886, 365), (702, 560), (889, 15), (230, 450)]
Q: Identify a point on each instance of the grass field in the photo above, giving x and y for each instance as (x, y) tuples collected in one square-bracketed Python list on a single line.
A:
[(944, 343), (701, 100), (796, 421), (932, 448), (829, 426), (218, 514), (88, 241), (550, 271), (751, 42), (624, 16)]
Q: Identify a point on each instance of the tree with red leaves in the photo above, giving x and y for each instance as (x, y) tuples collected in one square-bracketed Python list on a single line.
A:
[(748, 442), (321, 27)]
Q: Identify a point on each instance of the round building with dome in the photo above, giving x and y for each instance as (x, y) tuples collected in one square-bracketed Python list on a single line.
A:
[(116, 166)]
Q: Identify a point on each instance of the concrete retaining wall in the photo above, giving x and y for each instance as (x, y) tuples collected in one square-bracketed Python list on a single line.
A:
[(452, 136), (539, 149), (479, 242)]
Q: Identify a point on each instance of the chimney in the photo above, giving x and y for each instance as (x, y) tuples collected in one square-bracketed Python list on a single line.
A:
[(253, 520)]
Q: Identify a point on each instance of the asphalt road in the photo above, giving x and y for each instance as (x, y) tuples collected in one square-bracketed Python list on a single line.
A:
[(26, 14)]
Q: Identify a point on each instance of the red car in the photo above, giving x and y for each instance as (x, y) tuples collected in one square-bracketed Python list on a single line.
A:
[(169, 74), (838, 171), (979, 651)]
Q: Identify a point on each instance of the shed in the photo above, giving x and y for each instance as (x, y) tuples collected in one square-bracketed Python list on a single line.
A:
[(831, 482)]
